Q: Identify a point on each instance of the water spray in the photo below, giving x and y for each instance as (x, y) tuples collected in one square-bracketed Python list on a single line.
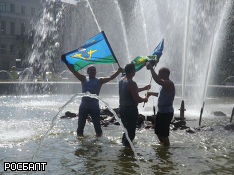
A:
[(211, 57), (182, 108), (98, 26), (185, 47), (207, 75), (57, 44), (94, 16), (144, 26), (124, 29), (53, 123)]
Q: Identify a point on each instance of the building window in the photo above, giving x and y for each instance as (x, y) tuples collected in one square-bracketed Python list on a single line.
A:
[(23, 10), (2, 49), (3, 27), (12, 8), (22, 28), (12, 28), (2, 7), (12, 50), (33, 11)]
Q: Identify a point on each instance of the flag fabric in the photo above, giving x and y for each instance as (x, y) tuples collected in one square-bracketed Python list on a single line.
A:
[(140, 61), (96, 50), (158, 50)]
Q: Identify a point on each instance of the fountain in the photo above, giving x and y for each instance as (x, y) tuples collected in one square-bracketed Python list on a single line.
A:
[(26, 74), (53, 123), (144, 26), (218, 26), (30, 126), (182, 107)]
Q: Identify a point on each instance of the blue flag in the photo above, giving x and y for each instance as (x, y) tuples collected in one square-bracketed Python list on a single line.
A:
[(96, 50), (158, 50)]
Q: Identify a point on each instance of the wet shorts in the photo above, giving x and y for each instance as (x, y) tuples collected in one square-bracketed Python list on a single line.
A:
[(162, 124)]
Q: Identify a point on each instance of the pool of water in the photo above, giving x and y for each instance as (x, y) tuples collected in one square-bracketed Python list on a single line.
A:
[(24, 119)]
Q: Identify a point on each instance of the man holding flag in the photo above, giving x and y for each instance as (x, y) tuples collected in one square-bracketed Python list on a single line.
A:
[(96, 50), (90, 106), (165, 103)]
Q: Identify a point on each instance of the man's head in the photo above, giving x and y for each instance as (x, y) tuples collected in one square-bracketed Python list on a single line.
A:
[(91, 71), (130, 70), (164, 73), (13, 68)]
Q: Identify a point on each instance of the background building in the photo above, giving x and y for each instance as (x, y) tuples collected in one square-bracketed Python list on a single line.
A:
[(15, 24)]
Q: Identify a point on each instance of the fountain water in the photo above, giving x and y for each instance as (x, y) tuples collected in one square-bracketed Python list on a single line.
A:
[(212, 53), (144, 26), (124, 30), (185, 48), (94, 17), (195, 40), (202, 34), (73, 25), (46, 37), (99, 28), (26, 74), (80, 95)]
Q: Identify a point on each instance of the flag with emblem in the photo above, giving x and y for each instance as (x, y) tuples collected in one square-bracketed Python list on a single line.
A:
[(140, 61), (96, 50)]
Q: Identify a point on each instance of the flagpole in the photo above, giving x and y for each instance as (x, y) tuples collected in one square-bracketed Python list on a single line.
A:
[(100, 30), (148, 88), (158, 48), (110, 48)]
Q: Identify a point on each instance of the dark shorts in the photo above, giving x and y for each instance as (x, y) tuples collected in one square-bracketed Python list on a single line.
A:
[(94, 114), (162, 124), (129, 117)]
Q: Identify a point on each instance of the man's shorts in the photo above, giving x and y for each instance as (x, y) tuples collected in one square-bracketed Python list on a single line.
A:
[(162, 124)]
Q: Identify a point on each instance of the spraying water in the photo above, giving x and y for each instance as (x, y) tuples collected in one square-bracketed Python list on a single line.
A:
[(80, 95), (215, 33), (124, 30), (94, 16), (144, 26), (99, 28), (185, 47), (169, 24), (46, 36), (185, 159)]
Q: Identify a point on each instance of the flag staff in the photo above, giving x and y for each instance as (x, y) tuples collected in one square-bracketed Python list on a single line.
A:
[(148, 88), (110, 48), (159, 49)]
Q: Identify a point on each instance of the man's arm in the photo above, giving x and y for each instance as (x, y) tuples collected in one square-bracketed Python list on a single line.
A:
[(107, 79), (147, 87), (132, 87), (76, 73), (168, 85), (152, 94), (154, 75)]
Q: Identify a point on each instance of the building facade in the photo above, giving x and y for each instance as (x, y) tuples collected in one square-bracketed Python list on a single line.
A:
[(15, 24)]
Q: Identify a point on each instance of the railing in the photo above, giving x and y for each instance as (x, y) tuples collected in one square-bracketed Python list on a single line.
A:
[(41, 87)]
